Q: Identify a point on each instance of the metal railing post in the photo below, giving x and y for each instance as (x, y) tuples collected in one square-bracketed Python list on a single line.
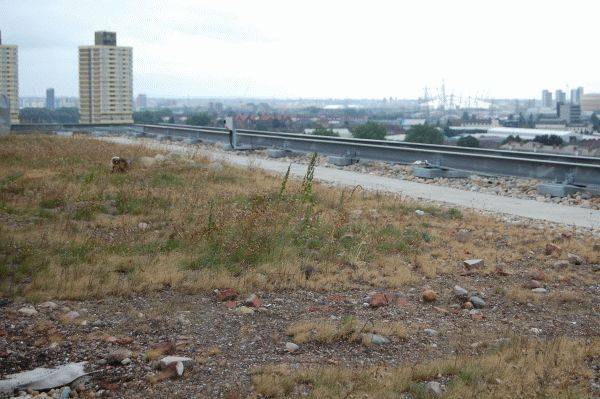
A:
[(230, 125)]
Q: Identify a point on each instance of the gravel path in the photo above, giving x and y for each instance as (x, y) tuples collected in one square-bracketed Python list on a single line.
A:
[(574, 216)]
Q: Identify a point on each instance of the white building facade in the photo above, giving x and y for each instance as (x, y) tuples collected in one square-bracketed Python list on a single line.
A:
[(105, 81), (9, 78)]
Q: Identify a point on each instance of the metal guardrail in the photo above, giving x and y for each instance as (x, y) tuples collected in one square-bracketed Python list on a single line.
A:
[(550, 167), (483, 151), (49, 127), (576, 170)]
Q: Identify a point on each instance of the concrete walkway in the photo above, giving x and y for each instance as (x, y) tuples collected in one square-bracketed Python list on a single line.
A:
[(568, 215)]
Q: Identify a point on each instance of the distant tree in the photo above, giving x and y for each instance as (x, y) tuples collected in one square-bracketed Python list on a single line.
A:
[(352, 112), (522, 121), (278, 124), (263, 125), (468, 141), (447, 131), (67, 115), (595, 122), (322, 131), (152, 116), (512, 139), (531, 122), (465, 116), (36, 115), (198, 119), (312, 110), (370, 130), (45, 115), (424, 134), (552, 140)]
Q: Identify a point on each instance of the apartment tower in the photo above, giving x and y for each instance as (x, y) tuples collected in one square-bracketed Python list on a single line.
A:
[(560, 96), (50, 100), (105, 81), (547, 99), (9, 78)]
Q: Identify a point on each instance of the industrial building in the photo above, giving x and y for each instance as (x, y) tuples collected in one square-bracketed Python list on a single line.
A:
[(105, 81), (530, 134), (9, 77), (590, 102)]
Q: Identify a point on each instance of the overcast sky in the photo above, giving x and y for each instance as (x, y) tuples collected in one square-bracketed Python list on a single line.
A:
[(306, 48)]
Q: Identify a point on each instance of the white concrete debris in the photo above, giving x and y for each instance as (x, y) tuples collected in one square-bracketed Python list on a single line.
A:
[(42, 378)]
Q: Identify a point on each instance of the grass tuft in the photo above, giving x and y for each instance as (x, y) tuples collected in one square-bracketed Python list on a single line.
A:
[(524, 368)]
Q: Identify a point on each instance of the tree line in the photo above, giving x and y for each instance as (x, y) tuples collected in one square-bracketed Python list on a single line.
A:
[(46, 115)]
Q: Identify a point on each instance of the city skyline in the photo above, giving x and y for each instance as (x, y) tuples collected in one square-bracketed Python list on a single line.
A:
[(202, 50)]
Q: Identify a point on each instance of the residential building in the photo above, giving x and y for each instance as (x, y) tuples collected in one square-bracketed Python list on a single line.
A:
[(141, 101), (9, 77), (105, 81), (547, 99), (50, 102), (560, 96), (579, 94), (576, 95)]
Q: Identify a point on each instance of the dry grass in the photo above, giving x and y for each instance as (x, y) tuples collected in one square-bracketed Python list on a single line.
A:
[(521, 369), (348, 329), (69, 228)]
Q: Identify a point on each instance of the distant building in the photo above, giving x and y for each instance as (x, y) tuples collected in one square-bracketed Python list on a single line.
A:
[(409, 122), (105, 81), (570, 113), (551, 124), (4, 115), (342, 132), (141, 101), (576, 95), (560, 96), (69, 102), (530, 134), (590, 102), (481, 123), (50, 102), (9, 77), (32, 102), (104, 38), (547, 99), (215, 107)]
